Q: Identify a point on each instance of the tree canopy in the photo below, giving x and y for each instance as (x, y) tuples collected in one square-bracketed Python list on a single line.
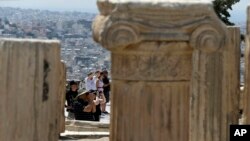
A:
[(221, 8)]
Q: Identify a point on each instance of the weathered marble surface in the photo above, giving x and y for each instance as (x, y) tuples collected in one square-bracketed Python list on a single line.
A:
[(30, 83), (164, 54), (123, 24), (246, 102)]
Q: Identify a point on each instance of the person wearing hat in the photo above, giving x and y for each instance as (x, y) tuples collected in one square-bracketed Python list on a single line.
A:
[(84, 106), (70, 96)]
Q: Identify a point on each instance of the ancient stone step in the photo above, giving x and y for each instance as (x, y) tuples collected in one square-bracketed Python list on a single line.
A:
[(86, 126), (82, 135), (101, 139)]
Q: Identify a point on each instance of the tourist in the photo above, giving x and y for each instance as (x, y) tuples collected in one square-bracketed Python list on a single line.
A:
[(70, 97), (99, 87), (84, 106), (90, 82), (106, 90), (97, 74), (99, 82), (99, 100)]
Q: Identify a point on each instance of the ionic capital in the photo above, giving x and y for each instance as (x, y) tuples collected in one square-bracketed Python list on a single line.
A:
[(127, 22)]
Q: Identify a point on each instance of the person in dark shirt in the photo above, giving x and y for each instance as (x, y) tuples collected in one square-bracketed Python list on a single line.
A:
[(84, 106), (106, 89), (70, 97)]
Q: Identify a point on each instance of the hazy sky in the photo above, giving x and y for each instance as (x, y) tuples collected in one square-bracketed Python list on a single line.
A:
[(59, 5), (238, 14), (239, 11)]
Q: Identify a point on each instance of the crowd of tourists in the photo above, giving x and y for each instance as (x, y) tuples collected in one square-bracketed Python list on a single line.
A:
[(87, 100)]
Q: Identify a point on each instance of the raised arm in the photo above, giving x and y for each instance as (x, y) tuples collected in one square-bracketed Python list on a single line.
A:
[(97, 100)]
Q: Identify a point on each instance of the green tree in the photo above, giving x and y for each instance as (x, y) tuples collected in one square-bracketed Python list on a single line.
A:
[(221, 8)]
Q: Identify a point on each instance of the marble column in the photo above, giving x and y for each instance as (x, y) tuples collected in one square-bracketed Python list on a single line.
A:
[(163, 53), (246, 103)]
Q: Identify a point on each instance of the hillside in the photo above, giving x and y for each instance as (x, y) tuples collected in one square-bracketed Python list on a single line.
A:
[(80, 53)]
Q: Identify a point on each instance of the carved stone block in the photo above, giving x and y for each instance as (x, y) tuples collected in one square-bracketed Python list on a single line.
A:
[(246, 96), (29, 89), (152, 61), (163, 53), (153, 111), (215, 91), (247, 82)]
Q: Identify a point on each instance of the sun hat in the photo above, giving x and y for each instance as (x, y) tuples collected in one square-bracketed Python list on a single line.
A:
[(82, 92)]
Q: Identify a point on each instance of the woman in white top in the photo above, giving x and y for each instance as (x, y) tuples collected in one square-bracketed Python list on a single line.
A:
[(90, 82)]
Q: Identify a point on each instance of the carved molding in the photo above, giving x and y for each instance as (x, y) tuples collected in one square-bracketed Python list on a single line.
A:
[(98, 26), (122, 24), (207, 38), (151, 67), (120, 34)]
